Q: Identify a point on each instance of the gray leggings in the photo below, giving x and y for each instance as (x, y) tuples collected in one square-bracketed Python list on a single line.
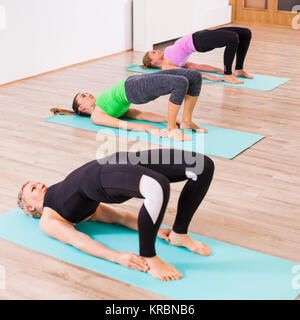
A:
[(177, 82)]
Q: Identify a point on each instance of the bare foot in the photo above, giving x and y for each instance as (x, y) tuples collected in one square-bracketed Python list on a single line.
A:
[(191, 125), (184, 240), (232, 79), (242, 73), (178, 135), (162, 270)]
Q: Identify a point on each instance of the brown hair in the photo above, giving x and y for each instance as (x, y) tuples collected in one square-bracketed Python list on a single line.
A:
[(62, 111), (22, 203), (147, 62), (75, 106)]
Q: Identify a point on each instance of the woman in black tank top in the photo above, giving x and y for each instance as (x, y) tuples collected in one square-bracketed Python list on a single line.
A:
[(82, 196)]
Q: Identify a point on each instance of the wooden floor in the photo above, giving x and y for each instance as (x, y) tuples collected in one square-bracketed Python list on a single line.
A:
[(254, 199)]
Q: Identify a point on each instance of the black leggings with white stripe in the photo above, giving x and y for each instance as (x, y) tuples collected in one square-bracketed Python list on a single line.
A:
[(148, 175)]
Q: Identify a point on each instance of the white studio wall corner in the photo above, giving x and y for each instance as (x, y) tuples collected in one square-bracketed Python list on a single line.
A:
[(156, 21), (44, 35)]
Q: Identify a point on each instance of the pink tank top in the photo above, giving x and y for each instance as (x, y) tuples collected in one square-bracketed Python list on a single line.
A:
[(180, 51)]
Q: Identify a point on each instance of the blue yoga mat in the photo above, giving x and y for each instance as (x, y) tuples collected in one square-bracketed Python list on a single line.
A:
[(260, 82), (231, 272), (218, 142)]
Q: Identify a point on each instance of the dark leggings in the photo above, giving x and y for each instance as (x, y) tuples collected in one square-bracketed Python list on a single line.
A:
[(177, 82), (148, 175), (235, 40)]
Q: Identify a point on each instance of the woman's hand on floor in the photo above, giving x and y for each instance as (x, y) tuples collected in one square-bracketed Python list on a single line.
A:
[(211, 77), (156, 131), (133, 261)]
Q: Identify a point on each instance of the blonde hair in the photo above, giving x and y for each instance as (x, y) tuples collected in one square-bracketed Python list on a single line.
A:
[(147, 63), (22, 203)]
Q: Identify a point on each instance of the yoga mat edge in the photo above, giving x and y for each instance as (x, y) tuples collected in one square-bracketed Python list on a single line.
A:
[(231, 272)]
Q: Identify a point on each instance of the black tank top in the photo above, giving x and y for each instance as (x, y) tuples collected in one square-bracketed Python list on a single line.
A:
[(79, 194)]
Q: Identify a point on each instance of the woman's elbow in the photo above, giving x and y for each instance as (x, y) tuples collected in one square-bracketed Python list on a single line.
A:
[(81, 242), (140, 116)]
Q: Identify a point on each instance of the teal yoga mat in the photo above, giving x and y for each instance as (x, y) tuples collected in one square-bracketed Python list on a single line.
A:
[(231, 272), (219, 142), (260, 82)]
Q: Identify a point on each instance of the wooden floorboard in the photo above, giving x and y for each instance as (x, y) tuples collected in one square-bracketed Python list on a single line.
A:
[(253, 201)]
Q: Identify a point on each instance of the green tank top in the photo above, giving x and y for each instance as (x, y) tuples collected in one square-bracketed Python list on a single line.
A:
[(114, 101)]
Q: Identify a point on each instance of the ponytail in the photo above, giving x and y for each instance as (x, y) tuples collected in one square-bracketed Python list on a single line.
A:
[(62, 111), (142, 66)]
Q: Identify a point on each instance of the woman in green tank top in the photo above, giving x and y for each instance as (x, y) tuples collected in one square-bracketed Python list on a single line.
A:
[(111, 107)]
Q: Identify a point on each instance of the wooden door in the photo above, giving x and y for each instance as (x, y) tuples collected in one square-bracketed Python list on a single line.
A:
[(267, 12)]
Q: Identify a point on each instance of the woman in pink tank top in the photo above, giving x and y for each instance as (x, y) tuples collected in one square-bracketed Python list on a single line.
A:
[(235, 40)]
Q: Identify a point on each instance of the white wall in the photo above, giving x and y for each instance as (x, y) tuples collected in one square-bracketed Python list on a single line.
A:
[(156, 21), (43, 35), (212, 13)]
